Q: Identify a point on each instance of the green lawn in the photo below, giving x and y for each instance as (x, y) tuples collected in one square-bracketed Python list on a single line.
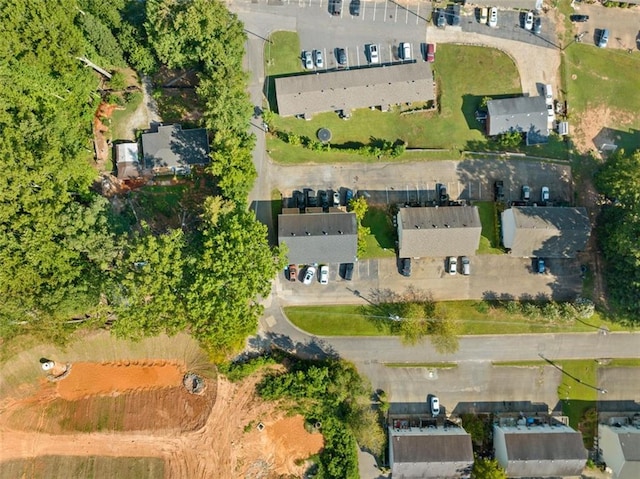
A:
[(381, 241), (349, 320), (120, 118), (464, 75), (490, 238), (282, 54), (608, 78)]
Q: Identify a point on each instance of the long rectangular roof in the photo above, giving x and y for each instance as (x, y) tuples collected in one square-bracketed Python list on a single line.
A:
[(551, 232), (441, 231), (319, 237), (354, 88), (527, 114), (434, 453), (544, 452)]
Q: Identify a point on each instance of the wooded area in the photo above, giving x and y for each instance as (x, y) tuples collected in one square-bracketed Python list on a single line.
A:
[(63, 249), (619, 230)]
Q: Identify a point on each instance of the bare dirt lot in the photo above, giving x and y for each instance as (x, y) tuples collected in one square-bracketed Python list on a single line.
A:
[(139, 409)]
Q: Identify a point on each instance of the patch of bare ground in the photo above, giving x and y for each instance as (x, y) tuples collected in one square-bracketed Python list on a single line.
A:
[(222, 440)]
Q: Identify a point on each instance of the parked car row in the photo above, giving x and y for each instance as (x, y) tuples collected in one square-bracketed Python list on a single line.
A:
[(465, 265), (310, 271), (312, 59), (525, 192), (450, 15), (323, 198)]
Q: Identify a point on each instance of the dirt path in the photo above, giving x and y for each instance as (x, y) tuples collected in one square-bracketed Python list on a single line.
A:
[(146, 113), (228, 446)]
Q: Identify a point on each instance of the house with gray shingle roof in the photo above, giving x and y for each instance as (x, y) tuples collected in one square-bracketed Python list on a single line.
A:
[(619, 447), (171, 150), (319, 237), (429, 452), (540, 451), (346, 90), (438, 231), (525, 114), (545, 232)]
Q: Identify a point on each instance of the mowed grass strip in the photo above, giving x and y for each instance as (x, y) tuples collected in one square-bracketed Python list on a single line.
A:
[(45, 467), (354, 320), (490, 238), (381, 241), (282, 53), (464, 75)]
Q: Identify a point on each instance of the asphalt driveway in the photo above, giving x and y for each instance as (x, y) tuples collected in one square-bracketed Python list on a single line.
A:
[(623, 25)]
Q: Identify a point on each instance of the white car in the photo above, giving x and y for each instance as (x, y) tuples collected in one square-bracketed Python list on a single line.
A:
[(453, 265), (373, 53), (324, 274), (528, 21), (336, 198), (319, 60), (493, 17), (307, 59), (405, 48), (544, 193), (435, 405), (309, 275)]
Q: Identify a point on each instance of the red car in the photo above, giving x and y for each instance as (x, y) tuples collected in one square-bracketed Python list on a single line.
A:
[(293, 272), (431, 52)]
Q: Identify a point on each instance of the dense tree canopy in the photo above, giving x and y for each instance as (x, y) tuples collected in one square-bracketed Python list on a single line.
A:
[(59, 250), (619, 230), (55, 241)]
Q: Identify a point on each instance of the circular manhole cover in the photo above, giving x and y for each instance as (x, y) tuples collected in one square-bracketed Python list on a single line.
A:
[(324, 135)]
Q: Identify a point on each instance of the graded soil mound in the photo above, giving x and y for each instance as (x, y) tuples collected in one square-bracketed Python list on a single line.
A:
[(89, 379)]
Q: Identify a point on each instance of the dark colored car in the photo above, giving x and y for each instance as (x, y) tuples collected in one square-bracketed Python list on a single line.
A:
[(455, 15), (341, 56), (293, 272), (312, 199), (498, 188), (335, 7), (405, 267), (540, 266), (579, 18), (440, 18), (354, 8), (324, 199), (347, 271), (348, 196), (537, 26)]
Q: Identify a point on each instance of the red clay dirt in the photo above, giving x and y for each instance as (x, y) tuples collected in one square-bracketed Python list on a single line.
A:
[(88, 379), (224, 443)]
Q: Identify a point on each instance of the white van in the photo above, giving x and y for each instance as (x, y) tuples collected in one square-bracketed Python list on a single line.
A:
[(548, 94)]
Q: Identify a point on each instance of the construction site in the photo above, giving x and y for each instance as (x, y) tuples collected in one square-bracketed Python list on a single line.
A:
[(150, 417)]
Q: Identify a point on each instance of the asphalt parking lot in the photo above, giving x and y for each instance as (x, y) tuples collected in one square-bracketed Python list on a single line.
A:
[(510, 27), (472, 386), (471, 180), (491, 276), (623, 25)]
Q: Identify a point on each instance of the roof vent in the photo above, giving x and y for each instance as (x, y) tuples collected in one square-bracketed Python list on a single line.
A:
[(340, 232), (292, 233), (447, 226), (417, 226), (307, 233), (435, 226), (324, 233)]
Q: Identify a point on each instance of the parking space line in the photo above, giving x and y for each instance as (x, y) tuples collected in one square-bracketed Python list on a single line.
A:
[(358, 55), (418, 14), (407, 16), (385, 12), (364, 10), (390, 53), (395, 19)]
